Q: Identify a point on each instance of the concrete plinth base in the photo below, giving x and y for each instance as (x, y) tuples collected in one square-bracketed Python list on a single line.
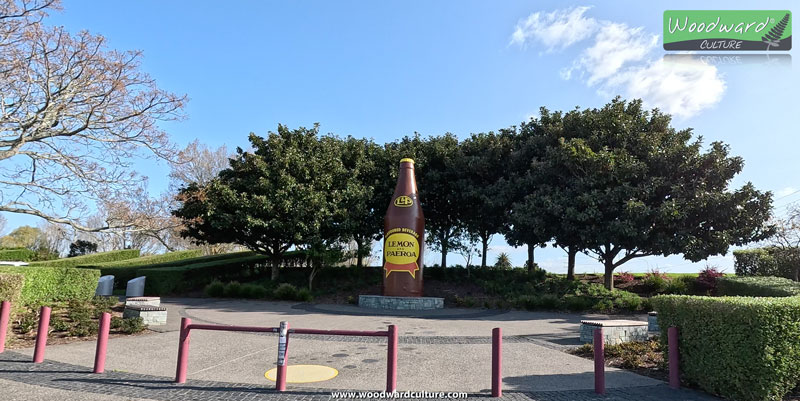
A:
[(400, 303)]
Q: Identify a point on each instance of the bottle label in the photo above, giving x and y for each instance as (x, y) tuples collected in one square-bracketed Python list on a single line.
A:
[(401, 251), (403, 201)]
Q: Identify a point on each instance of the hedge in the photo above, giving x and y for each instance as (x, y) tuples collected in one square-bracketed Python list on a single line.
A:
[(740, 348), (54, 284), (124, 270), (757, 286), (767, 261), (11, 287), (110, 256), (176, 279), (201, 259), (17, 255)]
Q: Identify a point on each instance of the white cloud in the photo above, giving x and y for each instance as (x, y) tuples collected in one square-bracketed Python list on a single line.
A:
[(555, 30), (622, 60)]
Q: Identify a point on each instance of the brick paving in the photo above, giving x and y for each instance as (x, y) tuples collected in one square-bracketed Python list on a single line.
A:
[(56, 375)]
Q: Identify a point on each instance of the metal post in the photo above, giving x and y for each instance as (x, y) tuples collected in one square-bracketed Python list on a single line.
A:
[(599, 362), (41, 335), (5, 311), (391, 357), (674, 358), (283, 355), (183, 351), (497, 362), (102, 343)]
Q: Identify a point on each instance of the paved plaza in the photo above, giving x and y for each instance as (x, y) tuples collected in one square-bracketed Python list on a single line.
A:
[(444, 350)]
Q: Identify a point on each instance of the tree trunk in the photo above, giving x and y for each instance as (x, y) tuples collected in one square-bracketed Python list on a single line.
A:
[(608, 278), (359, 250), (444, 254), (311, 276), (571, 252), (485, 244), (530, 257), (276, 266)]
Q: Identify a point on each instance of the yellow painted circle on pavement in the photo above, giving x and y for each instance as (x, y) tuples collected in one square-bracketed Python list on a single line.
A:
[(304, 373)]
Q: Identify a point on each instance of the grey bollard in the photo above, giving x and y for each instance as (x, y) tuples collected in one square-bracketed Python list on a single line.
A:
[(135, 287), (105, 286)]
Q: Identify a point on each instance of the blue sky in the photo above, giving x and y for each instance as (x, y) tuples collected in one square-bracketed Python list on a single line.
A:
[(387, 69)]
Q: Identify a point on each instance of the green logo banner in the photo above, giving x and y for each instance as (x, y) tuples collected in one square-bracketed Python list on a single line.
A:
[(728, 30)]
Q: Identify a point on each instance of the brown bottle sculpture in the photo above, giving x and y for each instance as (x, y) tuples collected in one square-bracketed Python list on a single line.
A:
[(403, 237)]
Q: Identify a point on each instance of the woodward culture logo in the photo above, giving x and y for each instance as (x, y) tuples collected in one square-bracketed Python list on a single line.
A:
[(718, 30)]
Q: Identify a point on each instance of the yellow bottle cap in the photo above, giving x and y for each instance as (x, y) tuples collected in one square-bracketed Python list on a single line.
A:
[(407, 160)]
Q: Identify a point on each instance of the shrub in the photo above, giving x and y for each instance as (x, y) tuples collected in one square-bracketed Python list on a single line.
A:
[(104, 304), (623, 277), (232, 290), (215, 289), (304, 295), (253, 291), (655, 281), (27, 321), (116, 322), (768, 261), (58, 324), (578, 303), (54, 284), (740, 348), (757, 286), (707, 279), (94, 258), (550, 301), (678, 286), (132, 325), (17, 255), (286, 292)]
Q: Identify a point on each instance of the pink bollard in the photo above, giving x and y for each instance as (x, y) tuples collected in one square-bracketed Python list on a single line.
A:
[(183, 351), (102, 343), (5, 312), (674, 358), (497, 362), (599, 362), (41, 335), (391, 356)]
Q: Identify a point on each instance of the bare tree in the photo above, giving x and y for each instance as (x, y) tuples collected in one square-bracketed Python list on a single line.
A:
[(74, 115), (3, 223), (197, 163), (787, 239)]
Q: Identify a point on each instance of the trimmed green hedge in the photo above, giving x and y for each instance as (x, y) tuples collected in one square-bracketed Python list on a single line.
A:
[(93, 258), (11, 287), (740, 348), (17, 255), (757, 286), (53, 284), (124, 270), (201, 259), (170, 280)]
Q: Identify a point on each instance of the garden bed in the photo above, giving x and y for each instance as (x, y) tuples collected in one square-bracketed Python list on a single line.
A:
[(72, 322)]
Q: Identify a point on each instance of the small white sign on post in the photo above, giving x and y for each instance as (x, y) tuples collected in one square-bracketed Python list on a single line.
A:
[(105, 286), (282, 332), (135, 287)]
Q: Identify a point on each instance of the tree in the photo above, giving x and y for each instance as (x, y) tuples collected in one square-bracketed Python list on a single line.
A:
[(268, 200), (3, 222), (786, 241), (643, 188), (503, 261), (484, 187), (366, 195), (81, 247), (440, 194), (75, 115), (21, 237)]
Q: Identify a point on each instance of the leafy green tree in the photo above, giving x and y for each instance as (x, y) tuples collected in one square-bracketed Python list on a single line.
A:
[(21, 237), (483, 186), (635, 187), (268, 200), (503, 261), (81, 247), (441, 195), (368, 193)]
